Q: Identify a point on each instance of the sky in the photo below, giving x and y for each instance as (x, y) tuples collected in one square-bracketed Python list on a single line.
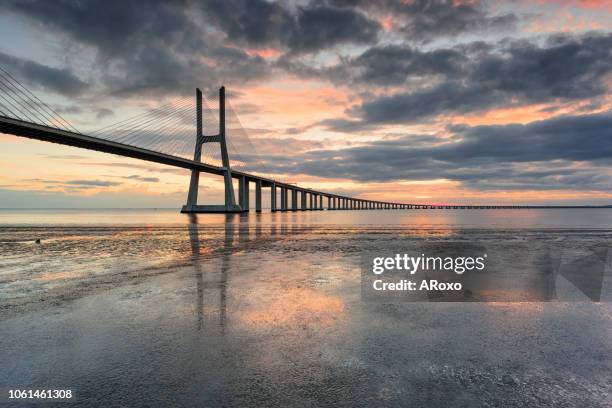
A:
[(504, 102)]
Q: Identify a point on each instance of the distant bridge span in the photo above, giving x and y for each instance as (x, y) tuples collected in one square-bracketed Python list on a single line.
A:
[(292, 197)]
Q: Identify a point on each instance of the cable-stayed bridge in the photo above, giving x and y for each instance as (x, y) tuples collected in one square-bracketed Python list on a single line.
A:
[(199, 134)]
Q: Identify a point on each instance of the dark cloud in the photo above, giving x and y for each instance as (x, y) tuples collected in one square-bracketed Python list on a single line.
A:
[(60, 80), (150, 46), (259, 23), (427, 20), (475, 77), (141, 178), (74, 184), (320, 27), (104, 113), (92, 183), (155, 46), (558, 153), (138, 166), (395, 64)]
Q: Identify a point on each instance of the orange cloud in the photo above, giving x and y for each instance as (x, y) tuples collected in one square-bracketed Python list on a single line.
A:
[(266, 53), (588, 4)]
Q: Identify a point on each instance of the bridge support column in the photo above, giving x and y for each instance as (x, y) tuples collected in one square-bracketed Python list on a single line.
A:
[(286, 199), (258, 196), (294, 202), (303, 199), (283, 198), (192, 196), (273, 197), (320, 201), (243, 193)]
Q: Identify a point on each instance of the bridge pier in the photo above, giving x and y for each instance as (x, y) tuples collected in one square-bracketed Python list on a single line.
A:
[(294, 202), (258, 196), (192, 196), (243, 193), (273, 197), (283, 191)]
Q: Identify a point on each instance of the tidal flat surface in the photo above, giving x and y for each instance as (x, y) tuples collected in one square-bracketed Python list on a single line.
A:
[(154, 308)]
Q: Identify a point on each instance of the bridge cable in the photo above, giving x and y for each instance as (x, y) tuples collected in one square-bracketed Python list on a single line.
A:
[(50, 110)]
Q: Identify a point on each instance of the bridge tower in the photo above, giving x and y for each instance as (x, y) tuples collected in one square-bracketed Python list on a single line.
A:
[(230, 205)]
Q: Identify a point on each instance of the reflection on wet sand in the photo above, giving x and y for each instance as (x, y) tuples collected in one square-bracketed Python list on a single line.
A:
[(283, 307), (219, 285)]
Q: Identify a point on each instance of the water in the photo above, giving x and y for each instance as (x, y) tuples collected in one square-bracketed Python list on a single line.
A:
[(134, 307), (488, 219)]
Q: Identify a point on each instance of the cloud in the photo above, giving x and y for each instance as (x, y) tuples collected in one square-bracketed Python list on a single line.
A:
[(92, 183), (149, 47), (144, 166), (140, 178), (63, 156), (476, 77), (104, 113), (312, 27), (427, 20), (73, 184), (560, 153), (157, 47), (391, 65), (424, 21), (60, 80)]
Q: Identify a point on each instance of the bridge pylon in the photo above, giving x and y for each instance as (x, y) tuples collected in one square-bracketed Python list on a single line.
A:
[(230, 205)]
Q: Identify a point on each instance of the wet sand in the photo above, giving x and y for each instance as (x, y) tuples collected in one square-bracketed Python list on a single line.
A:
[(271, 314)]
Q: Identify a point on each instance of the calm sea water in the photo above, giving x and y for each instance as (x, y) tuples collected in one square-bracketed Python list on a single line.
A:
[(134, 307), (546, 218)]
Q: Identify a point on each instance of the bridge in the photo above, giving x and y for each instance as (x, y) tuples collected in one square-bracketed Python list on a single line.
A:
[(147, 137)]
